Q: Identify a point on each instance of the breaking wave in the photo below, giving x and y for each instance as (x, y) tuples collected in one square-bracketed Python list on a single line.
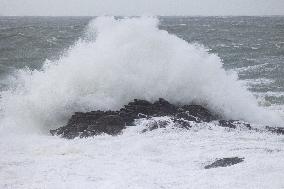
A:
[(119, 60)]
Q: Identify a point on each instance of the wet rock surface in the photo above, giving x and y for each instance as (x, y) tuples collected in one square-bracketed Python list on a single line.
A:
[(233, 124), (113, 122), (277, 130), (224, 162)]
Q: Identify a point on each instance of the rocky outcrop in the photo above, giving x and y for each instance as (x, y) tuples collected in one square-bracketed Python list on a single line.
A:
[(90, 124), (233, 124), (224, 162), (113, 122), (277, 130)]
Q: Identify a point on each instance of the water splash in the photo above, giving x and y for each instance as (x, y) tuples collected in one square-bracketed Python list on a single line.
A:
[(117, 61)]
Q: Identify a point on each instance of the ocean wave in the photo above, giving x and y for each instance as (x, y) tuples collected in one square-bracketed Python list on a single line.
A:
[(123, 59), (270, 98), (252, 68), (259, 81)]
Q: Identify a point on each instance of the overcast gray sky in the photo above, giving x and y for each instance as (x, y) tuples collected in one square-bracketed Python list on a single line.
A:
[(140, 7)]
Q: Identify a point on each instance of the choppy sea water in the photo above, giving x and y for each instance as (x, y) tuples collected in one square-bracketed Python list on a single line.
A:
[(252, 46), (52, 67)]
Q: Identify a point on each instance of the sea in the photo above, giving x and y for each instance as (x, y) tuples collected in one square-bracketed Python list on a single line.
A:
[(51, 67)]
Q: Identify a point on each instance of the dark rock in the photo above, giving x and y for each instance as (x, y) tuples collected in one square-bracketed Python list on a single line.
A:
[(110, 124), (277, 130), (66, 132), (187, 116), (182, 123), (233, 124), (113, 122), (86, 125), (224, 162), (199, 113), (153, 124), (151, 127), (227, 123), (163, 108)]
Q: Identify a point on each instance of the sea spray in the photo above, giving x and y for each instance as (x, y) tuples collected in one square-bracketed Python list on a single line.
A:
[(117, 61)]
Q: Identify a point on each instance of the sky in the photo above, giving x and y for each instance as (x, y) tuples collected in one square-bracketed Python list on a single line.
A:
[(140, 7)]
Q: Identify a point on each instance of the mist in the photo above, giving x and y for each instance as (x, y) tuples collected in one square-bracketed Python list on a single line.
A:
[(140, 7)]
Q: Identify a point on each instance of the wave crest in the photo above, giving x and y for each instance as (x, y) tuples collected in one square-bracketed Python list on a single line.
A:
[(118, 61)]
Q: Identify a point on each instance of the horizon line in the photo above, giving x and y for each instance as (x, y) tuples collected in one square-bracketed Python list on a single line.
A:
[(265, 15)]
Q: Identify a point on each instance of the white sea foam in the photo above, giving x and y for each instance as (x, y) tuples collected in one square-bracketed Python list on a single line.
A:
[(258, 82), (162, 158), (122, 60), (250, 68)]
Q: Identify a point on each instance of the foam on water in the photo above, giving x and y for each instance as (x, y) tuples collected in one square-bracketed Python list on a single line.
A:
[(120, 60)]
